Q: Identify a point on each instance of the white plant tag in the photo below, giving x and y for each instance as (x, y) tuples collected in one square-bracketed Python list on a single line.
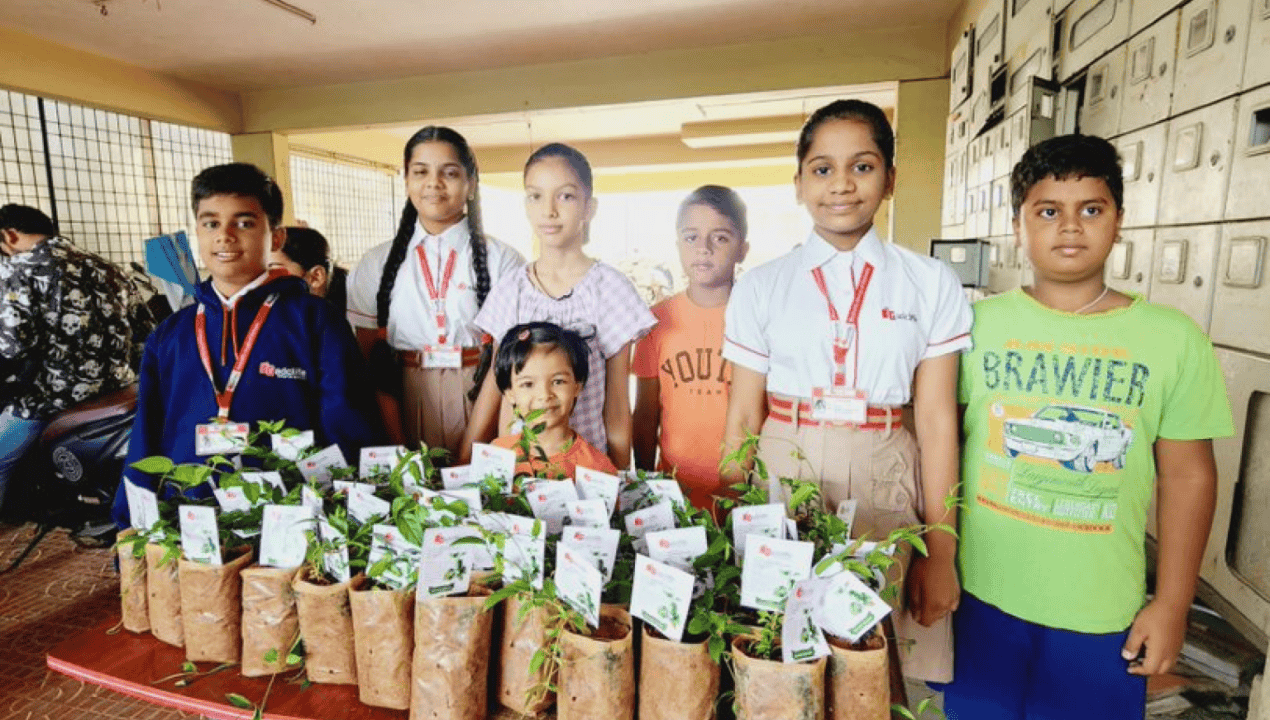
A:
[(379, 460), (846, 513), (791, 529), (200, 540), (579, 583), (801, 638), (309, 498), (264, 479), (651, 519), (232, 499), (496, 462), (509, 524), (667, 490), (588, 513), (143, 506), (289, 448), (317, 468), (599, 544), (334, 561), (453, 478), (595, 485), (850, 608), (766, 520), (661, 595), (679, 547), (549, 499), (363, 505), (524, 557), (387, 541), (446, 568), (770, 569), (282, 539)]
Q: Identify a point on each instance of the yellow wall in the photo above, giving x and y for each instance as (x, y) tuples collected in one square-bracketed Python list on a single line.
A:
[(31, 65), (269, 152), (920, 110)]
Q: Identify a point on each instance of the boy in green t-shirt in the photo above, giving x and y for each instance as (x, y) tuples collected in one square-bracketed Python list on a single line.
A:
[(1078, 399)]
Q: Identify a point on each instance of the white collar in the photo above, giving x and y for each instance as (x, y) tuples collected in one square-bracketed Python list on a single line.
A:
[(229, 302), (817, 251), (453, 236)]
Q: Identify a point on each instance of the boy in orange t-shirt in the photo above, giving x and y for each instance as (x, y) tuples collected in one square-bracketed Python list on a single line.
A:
[(542, 367), (682, 398)]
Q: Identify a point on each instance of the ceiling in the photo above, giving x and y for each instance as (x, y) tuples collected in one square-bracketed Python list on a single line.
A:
[(244, 45)]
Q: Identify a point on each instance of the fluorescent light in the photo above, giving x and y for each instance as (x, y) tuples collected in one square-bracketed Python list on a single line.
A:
[(741, 131)]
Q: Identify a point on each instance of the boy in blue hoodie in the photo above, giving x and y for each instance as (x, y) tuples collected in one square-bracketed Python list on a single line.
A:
[(255, 346)]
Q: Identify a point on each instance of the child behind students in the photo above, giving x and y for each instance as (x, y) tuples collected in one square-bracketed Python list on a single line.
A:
[(681, 401), (1077, 398), (543, 367), (256, 346)]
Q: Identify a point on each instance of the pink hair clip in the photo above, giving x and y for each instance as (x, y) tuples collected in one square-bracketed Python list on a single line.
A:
[(523, 336)]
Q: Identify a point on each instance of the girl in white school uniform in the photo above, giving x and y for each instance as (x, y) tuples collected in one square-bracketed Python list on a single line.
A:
[(565, 287), (412, 300), (828, 343)]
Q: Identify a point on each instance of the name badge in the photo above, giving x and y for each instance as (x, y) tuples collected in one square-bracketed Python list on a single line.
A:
[(840, 406), (442, 356), (220, 438)]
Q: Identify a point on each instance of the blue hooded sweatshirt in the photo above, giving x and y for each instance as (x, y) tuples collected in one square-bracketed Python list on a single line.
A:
[(305, 369)]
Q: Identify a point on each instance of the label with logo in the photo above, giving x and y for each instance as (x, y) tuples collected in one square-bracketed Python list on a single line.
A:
[(802, 640), (220, 438), (651, 519), (335, 556), (549, 500), (143, 506), (579, 583), (595, 485), (840, 405), (765, 520), (283, 541), (489, 461), (399, 556), (850, 608), (442, 356), (588, 513), (446, 568), (200, 540), (599, 544), (770, 570), (319, 468), (660, 596), (679, 547), (289, 445)]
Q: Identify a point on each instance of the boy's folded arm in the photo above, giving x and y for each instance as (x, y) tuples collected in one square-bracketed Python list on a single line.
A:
[(1187, 493)]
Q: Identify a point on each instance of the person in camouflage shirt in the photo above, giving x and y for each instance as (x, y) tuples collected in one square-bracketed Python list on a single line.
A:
[(66, 329)]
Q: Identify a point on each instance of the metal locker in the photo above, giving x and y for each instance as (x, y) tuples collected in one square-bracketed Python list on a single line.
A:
[(1257, 66), (1035, 122), (1129, 265), (1210, 51), (983, 213), (1001, 212), (1145, 12), (1148, 84), (987, 162), (1241, 300), (1142, 156), (1184, 262), (989, 51), (980, 108), (1089, 28), (960, 74), (1250, 164), (1197, 165), (953, 180), (1104, 93), (1001, 164), (1026, 18), (1032, 59), (1236, 562)]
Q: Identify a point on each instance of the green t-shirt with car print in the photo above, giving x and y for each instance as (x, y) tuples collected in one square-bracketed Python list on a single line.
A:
[(1062, 413)]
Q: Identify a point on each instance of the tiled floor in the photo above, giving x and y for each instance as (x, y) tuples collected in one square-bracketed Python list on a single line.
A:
[(58, 591)]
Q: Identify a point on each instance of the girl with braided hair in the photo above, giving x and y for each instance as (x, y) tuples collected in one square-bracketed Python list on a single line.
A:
[(412, 300)]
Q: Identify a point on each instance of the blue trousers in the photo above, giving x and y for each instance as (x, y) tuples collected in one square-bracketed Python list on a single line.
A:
[(1010, 669), (16, 437)]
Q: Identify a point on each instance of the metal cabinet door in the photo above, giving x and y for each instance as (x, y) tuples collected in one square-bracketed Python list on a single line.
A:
[(1033, 58), (1089, 29), (987, 157), (1257, 66), (1185, 260), (1142, 157), (1210, 51), (989, 49), (953, 182), (1148, 73), (1000, 209), (959, 73), (1197, 164), (1241, 300), (1104, 92), (1247, 196), (1145, 12), (1025, 18), (1001, 164), (1129, 265)]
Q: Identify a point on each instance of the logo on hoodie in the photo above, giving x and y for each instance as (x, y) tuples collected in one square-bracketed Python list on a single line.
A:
[(282, 373)]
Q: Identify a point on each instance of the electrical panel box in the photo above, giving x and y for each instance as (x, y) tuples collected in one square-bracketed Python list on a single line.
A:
[(960, 73), (1210, 51), (1197, 165), (1035, 122), (989, 50), (1149, 74), (1128, 267), (1247, 196), (1184, 264), (1001, 212), (1001, 164), (1089, 28), (1242, 296), (1142, 159), (967, 258), (1257, 66), (987, 163), (954, 181), (1145, 12), (1104, 93), (1026, 18)]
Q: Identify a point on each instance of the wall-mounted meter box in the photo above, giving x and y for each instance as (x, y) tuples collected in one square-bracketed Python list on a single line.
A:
[(969, 259)]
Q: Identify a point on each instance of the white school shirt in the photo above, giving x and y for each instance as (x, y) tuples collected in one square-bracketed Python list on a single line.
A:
[(411, 317), (777, 321)]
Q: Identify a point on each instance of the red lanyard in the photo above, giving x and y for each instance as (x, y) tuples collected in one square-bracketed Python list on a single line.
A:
[(844, 333), (437, 296), (224, 398)]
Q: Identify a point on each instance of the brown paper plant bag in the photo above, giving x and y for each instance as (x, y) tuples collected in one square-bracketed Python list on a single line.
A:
[(270, 625), (773, 690), (521, 640), (326, 623), (450, 677), (132, 584), (677, 680), (163, 596), (597, 673), (859, 686), (210, 608), (383, 640)]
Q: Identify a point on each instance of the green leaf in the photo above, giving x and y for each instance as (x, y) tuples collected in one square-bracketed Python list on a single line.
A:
[(539, 657), (239, 701), (293, 659), (919, 544), (154, 465), (271, 656), (188, 667)]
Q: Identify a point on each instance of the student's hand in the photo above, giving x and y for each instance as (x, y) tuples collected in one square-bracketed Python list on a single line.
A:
[(933, 589), (1161, 627)]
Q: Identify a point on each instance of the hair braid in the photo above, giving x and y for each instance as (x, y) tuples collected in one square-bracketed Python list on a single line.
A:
[(480, 252), (396, 256)]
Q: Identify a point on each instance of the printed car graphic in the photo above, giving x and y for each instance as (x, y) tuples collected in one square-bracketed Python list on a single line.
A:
[(1078, 437)]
